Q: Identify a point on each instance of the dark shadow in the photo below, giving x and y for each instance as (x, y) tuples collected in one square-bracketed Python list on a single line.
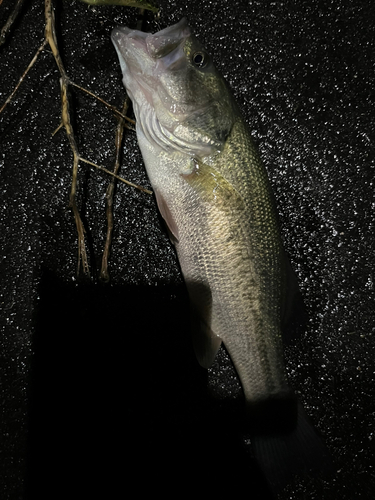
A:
[(118, 400)]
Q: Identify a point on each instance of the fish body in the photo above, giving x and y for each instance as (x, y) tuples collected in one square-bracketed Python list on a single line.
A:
[(214, 194)]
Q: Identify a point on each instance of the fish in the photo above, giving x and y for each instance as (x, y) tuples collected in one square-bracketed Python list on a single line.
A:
[(214, 195)]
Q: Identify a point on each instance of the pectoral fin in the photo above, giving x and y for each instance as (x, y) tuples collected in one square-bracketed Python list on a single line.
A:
[(205, 342), (214, 189), (167, 216)]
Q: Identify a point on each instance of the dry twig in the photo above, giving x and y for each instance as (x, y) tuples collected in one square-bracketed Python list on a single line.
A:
[(32, 62), (50, 34), (112, 108), (8, 25), (104, 275), (51, 39)]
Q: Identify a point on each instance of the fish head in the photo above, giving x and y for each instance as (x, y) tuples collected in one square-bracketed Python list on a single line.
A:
[(179, 98)]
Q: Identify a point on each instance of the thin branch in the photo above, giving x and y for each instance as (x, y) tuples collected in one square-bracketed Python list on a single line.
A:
[(112, 108), (8, 25), (50, 34), (58, 128), (144, 190), (104, 274), (82, 254), (33, 60)]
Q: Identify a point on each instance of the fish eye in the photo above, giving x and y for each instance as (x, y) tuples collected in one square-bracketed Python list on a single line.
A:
[(199, 59)]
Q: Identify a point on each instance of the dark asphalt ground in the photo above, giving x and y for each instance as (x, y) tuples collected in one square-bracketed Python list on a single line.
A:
[(100, 391)]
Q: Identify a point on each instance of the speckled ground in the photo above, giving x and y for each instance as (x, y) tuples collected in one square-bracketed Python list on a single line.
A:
[(100, 392)]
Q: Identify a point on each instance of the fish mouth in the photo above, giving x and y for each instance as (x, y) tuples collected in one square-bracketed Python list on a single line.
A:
[(145, 57), (157, 45)]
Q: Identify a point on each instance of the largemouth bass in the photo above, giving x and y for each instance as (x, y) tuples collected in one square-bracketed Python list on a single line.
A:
[(214, 195)]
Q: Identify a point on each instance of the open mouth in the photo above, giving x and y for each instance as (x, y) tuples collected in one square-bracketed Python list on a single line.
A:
[(156, 45)]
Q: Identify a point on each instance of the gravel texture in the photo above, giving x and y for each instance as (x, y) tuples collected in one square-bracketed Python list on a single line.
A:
[(99, 388)]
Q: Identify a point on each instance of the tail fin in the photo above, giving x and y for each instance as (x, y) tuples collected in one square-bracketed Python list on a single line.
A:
[(281, 455)]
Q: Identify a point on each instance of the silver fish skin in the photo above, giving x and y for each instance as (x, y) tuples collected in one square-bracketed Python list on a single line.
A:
[(213, 192)]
